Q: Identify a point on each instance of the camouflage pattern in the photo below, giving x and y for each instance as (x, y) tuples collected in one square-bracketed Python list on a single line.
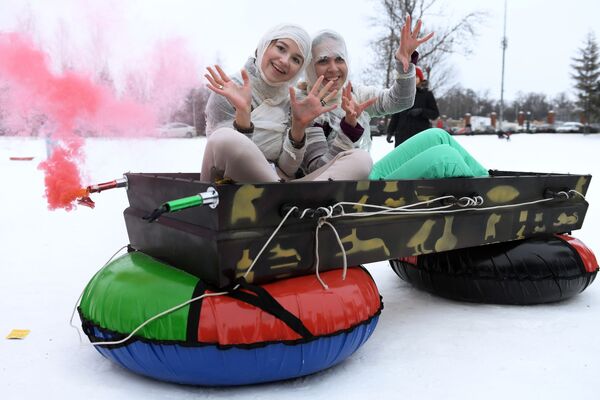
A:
[(219, 244)]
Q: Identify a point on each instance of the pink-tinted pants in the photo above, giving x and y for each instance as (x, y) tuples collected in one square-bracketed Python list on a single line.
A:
[(230, 154)]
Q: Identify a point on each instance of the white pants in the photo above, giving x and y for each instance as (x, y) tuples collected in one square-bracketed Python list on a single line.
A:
[(231, 154)]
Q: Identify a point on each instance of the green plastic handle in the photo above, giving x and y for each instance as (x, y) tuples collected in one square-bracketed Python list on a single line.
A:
[(185, 202), (209, 198)]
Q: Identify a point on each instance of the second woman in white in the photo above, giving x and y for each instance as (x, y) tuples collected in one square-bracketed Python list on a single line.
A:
[(256, 126)]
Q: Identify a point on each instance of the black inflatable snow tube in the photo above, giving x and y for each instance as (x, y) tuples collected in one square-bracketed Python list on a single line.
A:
[(533, 271)]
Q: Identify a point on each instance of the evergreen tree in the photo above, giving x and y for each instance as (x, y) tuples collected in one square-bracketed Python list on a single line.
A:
[(587, 78)]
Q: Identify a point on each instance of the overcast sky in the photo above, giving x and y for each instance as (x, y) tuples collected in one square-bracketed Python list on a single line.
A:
[(543, 35)]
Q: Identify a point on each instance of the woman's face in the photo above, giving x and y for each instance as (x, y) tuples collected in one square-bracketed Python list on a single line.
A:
[(282, 60), (334, 69)]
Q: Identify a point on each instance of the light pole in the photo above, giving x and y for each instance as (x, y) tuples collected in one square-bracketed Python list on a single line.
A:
[(504, 45)]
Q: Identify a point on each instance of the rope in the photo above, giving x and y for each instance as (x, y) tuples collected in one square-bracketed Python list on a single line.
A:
[(290, 211), (577, 193), (76, 327), (466, 203), (385, 209), (323, 221), (470, 201), (330, 213), (157, 316), (187, 302)]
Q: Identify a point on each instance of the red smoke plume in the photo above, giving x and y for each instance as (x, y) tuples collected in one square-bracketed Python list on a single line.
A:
[(67, 102)]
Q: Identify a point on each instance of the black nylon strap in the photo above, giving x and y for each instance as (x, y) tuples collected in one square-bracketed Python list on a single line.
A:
[(194, 313), (262, 299), (154, 215)]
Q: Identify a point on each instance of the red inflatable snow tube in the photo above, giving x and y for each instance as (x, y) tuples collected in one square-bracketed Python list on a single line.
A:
[(240, 317), (256, 333), (538, 270)]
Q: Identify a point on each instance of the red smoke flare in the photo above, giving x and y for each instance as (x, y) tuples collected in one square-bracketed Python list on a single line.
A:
[(66, 102), (63, 184)]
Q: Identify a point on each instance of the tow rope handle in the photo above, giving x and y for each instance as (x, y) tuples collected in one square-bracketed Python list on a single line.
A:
[(117, 183), (86, 200), (209, 198)]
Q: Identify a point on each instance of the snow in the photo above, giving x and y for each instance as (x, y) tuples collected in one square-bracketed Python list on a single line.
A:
[(424, 347)]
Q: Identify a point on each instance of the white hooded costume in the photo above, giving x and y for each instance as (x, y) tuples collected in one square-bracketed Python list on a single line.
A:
[(270, 103), (246, 157), (399, 97)]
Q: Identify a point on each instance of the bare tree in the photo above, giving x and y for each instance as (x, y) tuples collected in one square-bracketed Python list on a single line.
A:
[(193, 111), (563, 107), (137, 86), (457, 101), (27, 24), (535, 103), (63, 47), (104, 78), (453, 38)]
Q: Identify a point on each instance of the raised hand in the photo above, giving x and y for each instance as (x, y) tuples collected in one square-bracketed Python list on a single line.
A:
[(352, 108), (409, 41), (240, 97), (309, 108), (313, 105)]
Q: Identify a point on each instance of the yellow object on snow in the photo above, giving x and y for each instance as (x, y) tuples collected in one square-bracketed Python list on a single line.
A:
[(18, 334)]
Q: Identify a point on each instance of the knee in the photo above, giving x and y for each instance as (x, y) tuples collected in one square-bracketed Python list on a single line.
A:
[(437, 133), (225, 140), (364, 158), (448, 160), (363, 163), (222, 134), (441, 153)]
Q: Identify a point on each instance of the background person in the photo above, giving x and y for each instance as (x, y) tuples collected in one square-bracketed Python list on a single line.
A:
[(408, 123)]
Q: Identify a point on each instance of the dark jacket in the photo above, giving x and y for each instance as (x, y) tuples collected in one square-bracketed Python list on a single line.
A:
[(409, 122)]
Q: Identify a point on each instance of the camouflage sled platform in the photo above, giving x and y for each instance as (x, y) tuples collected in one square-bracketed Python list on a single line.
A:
[(219, 244)]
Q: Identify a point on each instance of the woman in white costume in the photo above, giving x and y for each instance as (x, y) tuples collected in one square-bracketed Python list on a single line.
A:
[(256, 126)]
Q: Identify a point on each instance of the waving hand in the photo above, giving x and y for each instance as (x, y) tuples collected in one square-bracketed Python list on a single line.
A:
[(352, 108), (240, 97), (409, 41), (309, 108), (315, 104)]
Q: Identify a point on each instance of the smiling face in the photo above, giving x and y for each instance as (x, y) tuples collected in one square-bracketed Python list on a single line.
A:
[(281, 61), (329, 59), (334, 69)]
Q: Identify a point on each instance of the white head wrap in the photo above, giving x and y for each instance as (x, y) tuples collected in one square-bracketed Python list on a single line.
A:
[(284, 31), (270, 100), (326, 43)]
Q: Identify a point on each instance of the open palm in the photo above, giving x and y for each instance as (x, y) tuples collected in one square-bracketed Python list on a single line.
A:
[(351, 107), (240, 97), (313, 105), (409, 41)]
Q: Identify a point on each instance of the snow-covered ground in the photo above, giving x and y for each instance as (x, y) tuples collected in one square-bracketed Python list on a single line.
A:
[(423, 348)]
